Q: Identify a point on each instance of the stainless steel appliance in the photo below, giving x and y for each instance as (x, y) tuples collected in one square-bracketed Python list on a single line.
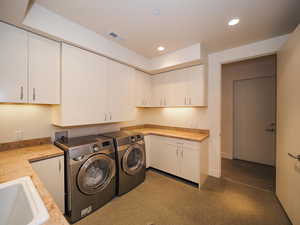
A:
[(131, 159), (90, 174)]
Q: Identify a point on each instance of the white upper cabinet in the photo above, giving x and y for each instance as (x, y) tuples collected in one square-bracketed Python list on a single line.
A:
[(94, 90), (44, 70), (84, 88), (29, 67), (121, 106), (196, 86), (184, 87), (143, 89), (13, 64)]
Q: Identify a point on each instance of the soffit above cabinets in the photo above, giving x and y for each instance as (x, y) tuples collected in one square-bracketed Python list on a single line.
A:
[(177, 24), (184, 28)]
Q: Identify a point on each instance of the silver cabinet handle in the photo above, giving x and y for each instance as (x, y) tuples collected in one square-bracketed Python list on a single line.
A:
[(110, 116), (181, 153), (33, 94), (22, 93), (105, 116), (270, 129), (294, 157), (185, 100)]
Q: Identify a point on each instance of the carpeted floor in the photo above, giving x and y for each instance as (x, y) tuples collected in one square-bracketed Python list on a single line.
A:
[(162, 200), (252, 174)]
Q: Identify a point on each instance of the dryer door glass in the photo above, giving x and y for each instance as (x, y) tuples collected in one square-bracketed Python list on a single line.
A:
[(95, 174), (134, 159)]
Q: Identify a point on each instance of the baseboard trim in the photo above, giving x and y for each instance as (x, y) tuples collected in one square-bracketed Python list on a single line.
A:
[(226, 155)]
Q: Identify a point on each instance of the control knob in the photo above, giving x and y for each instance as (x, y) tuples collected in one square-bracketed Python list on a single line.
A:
[(96, 148)]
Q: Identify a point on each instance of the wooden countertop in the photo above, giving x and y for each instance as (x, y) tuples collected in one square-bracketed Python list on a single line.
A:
[(171, 132), (16, 163)]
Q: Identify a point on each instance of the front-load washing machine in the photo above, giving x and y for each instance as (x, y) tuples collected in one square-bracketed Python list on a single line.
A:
[(131, 159), (90, 174)]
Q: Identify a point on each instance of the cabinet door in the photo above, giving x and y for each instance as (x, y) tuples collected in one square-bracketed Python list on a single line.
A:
[(142, 89), (13, 64), (148, 150), (164, 155), (157, 95), (51, 173), (196, 86), (178, 86), (190, 164), (44, 70), (161, 90), (121, 105), (84, 87), (139, 89)]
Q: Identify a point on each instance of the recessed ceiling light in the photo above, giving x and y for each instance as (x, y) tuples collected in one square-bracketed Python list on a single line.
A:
[(161, 48), (233, 22), (155, 12)]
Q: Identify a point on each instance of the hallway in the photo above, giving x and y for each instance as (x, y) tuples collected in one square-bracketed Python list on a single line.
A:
[(248, 173)]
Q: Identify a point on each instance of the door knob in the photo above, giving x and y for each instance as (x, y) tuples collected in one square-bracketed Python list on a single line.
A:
[(270, 129), (294, 157)]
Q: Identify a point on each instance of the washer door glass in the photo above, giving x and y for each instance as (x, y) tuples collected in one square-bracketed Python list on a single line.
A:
[(134, 159), (95, 174)]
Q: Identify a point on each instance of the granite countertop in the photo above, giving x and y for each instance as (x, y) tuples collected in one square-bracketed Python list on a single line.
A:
[(16, 163), (186, 134)]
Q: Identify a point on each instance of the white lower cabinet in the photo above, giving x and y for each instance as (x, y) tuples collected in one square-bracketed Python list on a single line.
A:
[(147, 146), (51, 173), (182, 158)]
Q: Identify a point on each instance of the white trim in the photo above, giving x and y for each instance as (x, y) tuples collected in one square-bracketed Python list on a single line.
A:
[(226, 155), (215, 61)]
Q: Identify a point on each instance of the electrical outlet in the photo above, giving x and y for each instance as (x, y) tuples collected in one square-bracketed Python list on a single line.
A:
[(19, 134), (61, 134)]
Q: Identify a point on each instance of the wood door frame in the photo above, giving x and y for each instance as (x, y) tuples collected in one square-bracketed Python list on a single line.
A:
[(234, 105)]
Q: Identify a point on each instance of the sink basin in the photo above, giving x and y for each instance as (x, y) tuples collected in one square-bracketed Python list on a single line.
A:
[(21, 204)]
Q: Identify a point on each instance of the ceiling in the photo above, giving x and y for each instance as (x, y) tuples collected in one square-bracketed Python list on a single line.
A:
[(181, 23)]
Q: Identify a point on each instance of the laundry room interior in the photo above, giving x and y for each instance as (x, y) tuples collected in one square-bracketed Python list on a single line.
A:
[(149, 112)]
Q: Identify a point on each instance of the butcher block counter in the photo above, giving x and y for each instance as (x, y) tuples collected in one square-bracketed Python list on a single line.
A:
[(15, 163), (175, 132)]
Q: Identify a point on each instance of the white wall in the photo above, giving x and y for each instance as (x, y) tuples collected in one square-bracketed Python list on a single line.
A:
[(215, 61), (178, 117), (34, 121)]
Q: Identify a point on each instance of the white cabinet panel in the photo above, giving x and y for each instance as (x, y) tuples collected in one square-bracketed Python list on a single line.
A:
[(163, 155), (121, 105), (185, 159), (84, 88), (13, 64), (44, 70), (184, 87), (190, 164), (158, 91), (51, 173), (148, 150), (143, 89), (196, 90), (94, 90)]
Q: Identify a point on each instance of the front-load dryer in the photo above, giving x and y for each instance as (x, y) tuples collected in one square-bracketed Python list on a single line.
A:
[(131, 159), (90, 174)]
